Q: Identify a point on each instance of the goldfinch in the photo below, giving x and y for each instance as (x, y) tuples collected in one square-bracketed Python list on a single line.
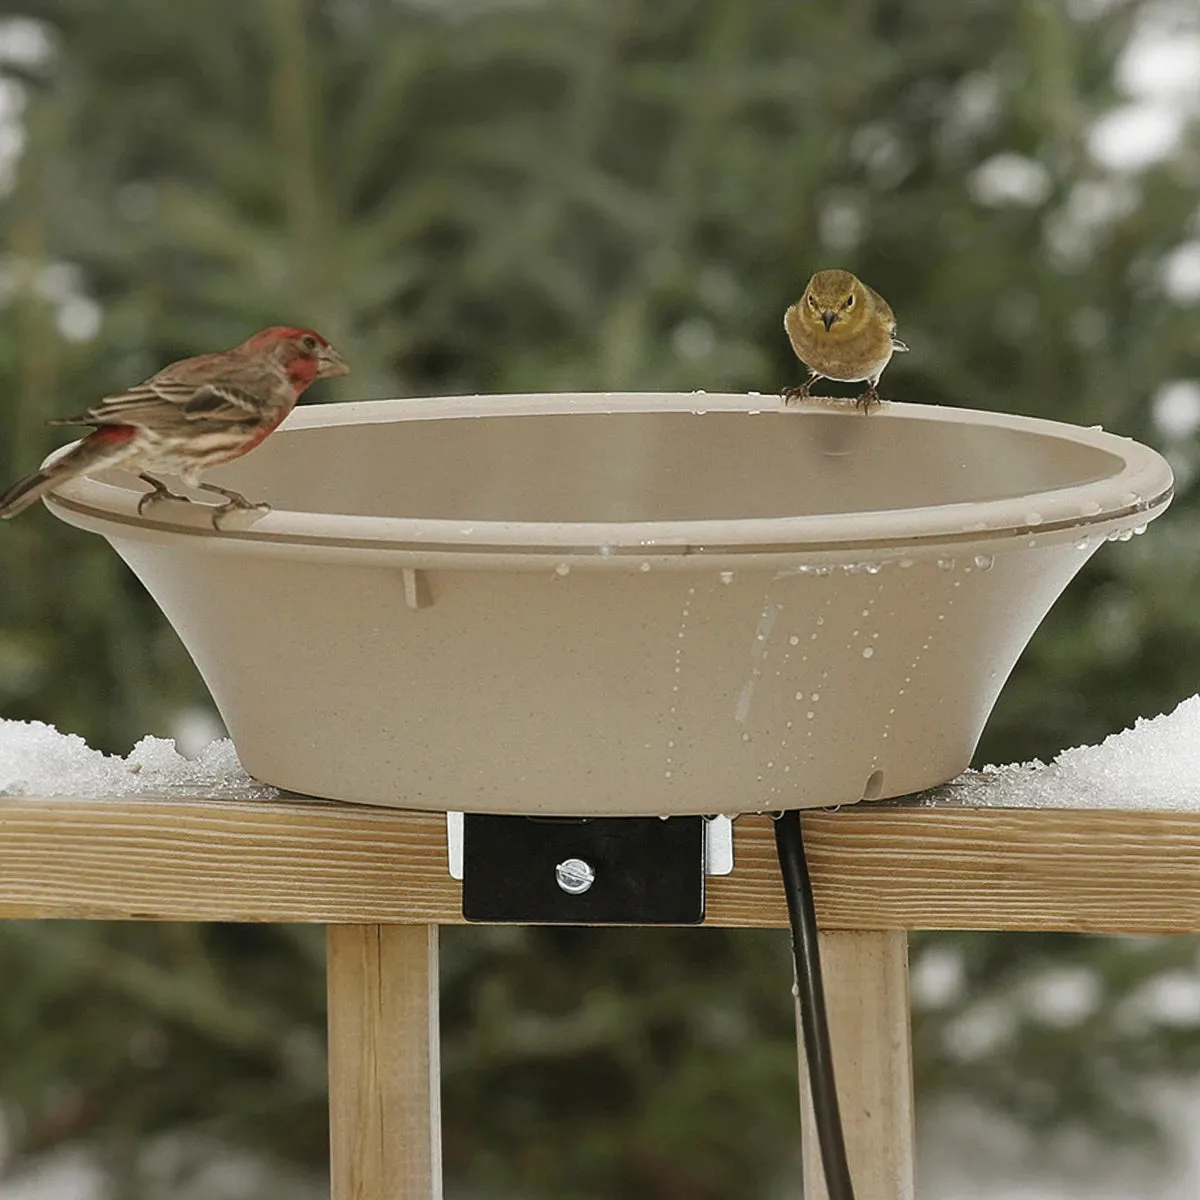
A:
[(841, 329)]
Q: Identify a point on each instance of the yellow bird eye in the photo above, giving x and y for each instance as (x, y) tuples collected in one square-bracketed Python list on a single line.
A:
[(811, 302), (849, 302)]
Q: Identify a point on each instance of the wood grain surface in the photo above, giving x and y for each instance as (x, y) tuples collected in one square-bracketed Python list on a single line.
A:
[(866, 990), (874, 867), (384, 1082)]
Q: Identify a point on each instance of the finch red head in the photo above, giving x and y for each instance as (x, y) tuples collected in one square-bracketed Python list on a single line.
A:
[(194, 414)]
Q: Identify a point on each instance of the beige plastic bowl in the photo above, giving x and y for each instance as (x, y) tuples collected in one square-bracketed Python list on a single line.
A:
[(643, 603)]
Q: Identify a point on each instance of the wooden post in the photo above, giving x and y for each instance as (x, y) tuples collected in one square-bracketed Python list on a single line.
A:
[(866, 989), (384, 1079)]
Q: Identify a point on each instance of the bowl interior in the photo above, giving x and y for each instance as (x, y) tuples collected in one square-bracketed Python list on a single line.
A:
[(658, 466)]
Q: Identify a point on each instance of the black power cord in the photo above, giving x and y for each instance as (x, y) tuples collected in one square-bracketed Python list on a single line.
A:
[(789, 842)]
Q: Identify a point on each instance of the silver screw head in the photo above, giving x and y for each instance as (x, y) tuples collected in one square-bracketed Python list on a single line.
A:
[(574, 876)]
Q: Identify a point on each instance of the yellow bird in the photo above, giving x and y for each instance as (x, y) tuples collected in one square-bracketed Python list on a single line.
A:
[(841, 329)]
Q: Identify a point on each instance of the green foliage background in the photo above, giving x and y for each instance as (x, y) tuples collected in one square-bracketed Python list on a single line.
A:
[(583, 194)]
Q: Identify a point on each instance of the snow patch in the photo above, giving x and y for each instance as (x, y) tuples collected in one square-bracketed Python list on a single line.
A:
[(1155, 766), (38, 760)]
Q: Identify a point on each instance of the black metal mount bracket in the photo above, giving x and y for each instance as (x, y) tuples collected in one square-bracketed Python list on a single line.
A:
[(586, 870)]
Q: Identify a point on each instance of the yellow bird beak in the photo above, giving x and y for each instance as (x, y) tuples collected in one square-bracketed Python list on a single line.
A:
[(828, 318)]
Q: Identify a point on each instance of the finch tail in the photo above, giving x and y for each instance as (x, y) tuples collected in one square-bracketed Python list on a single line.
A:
[(103, 447)]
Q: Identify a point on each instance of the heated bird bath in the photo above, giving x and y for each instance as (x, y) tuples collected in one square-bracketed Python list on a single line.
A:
[(607, 607)]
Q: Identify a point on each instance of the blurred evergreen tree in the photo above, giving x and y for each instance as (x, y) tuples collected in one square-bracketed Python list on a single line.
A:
[(575, 194)]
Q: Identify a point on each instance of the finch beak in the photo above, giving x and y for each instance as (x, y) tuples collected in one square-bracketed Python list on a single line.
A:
[(331, 363), (828, 318)]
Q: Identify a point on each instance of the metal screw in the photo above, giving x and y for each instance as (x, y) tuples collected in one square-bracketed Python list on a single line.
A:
[(574, 876)]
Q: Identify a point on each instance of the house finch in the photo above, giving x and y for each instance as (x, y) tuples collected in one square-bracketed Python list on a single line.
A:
[(841, 329), (195, 414)]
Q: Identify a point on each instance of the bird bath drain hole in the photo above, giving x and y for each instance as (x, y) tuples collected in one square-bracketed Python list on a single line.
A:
[(873, 788)]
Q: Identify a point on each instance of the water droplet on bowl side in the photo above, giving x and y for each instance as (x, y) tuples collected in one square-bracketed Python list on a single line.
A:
[(562, 569)]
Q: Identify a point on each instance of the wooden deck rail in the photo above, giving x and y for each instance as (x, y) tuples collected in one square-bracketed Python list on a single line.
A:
[(378, 878)]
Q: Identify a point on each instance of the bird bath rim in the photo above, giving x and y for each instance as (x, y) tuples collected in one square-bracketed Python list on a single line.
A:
[(1132, 495)]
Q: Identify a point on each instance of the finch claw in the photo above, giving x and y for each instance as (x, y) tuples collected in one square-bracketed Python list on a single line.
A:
[(234, 502), (794, 392), (223, 512), (160, 492), (867, 398)]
